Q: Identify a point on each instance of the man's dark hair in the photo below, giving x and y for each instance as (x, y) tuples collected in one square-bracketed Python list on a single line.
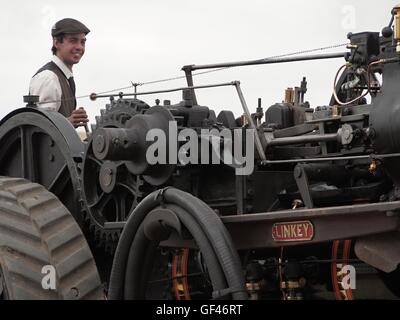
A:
[(60, 38)]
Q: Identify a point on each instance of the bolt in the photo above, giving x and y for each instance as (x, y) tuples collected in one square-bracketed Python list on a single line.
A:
[(390, 213), (115, 141), (51, 157), (107, 176), (372, 133), (99, 143), (383, 198), (75, 292)]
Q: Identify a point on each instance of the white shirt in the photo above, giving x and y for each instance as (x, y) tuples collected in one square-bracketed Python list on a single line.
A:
[(47, 86)]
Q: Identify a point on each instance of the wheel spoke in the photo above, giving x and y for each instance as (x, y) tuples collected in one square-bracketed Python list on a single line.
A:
[(127, 187), (101, 202), (8, 144), (92, 158), (28, 159), (121, 208), (60, 181)]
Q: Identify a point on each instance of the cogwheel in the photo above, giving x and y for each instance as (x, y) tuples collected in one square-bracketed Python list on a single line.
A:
[(117, 113), (105, 208)]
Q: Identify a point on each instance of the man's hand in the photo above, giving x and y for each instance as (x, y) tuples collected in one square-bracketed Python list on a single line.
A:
[(78, 118)]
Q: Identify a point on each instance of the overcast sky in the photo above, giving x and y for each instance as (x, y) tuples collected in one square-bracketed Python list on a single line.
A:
[(145, 40)]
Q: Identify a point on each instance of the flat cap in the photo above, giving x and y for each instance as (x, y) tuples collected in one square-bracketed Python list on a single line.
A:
[(68, 25)]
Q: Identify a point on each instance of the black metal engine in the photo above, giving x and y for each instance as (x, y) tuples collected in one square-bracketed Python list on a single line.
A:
[(290, 203)]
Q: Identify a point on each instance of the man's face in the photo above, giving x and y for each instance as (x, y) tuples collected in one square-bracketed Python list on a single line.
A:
[(71, 50)]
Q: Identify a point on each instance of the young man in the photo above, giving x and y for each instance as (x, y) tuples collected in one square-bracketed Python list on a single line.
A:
[(54, 82)]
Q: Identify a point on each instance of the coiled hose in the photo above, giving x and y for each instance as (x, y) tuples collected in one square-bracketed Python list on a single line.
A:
[(134, 256)]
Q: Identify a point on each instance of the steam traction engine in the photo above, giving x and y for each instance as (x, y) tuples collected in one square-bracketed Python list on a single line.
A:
[(317, 218)]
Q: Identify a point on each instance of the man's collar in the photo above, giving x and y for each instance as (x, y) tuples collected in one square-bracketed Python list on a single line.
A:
[(68, 73)]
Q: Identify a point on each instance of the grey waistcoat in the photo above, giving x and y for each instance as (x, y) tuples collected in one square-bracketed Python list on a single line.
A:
[(68, 100)]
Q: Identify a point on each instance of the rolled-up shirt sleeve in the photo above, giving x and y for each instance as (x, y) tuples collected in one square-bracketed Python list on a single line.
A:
[(47, 86)]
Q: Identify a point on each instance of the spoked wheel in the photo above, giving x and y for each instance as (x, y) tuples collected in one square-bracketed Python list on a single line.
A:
[(42, 146), (368, 280), (179, 274), (340, 251), (43, 253), (106, 206), (110, 192)]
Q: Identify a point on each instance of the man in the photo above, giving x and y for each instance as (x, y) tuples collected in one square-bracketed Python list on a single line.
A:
[(54, 82)]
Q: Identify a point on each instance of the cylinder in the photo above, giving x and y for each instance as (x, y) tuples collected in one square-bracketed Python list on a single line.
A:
[(115, 144)]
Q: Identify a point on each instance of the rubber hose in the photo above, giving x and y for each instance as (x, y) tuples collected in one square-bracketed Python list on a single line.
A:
[(148, 265), (210, 224), (217, 276), (117, 277), (134, 287), (134, 271), (213, 227), (227, 236)]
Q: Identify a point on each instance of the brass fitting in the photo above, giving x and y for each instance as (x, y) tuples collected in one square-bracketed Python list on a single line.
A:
[(253, 286), (301, 283), (289, 95), (373, 166), (245, 120), (336, 111), (290, 285), (296, 203), (396, 13)]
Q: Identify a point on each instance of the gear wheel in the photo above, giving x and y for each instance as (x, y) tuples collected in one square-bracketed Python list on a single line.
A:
[(110, 192), (117, 113)]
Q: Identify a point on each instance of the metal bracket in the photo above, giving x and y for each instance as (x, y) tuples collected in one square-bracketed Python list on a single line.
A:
[(257, 140), (381, 251), (189, 80), (159, 223), (301, 178)]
